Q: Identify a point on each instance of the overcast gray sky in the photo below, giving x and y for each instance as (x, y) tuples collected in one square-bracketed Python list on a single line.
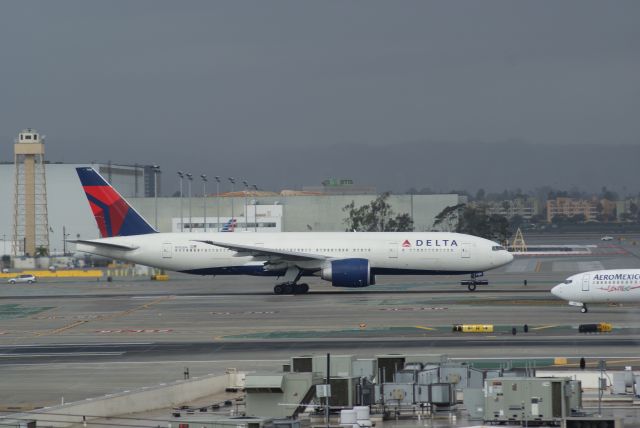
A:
[(196, 85)]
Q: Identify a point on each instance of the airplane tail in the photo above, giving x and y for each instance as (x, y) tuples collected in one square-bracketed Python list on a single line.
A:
[(115, 217), (229, 226)]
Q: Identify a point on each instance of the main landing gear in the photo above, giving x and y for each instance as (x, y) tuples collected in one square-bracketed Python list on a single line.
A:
[(290, 284), (290, 288), (584, 309), (474, 281)]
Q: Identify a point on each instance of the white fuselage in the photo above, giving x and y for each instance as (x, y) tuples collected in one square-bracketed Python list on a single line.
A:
[(601, 286), (387, 252)]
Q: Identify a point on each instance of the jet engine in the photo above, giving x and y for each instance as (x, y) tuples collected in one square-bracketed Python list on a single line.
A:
[(348, 273)]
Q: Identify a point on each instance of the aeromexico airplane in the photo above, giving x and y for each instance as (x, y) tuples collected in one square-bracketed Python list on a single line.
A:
[(346, 259), (600, 286)]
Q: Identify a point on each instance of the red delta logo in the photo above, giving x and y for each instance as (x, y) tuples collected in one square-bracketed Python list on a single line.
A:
[(406, 243)]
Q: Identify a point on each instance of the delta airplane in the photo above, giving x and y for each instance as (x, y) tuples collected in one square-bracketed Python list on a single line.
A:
[(346, 259), (600, 286)]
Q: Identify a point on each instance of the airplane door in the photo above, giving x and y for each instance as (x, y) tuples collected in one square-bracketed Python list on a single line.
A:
[(393, 250), (466, 250), (585, 282), (167, 250)]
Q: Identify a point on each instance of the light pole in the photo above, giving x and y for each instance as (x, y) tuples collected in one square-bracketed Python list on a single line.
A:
[(218, 202), (64, 240), (181, 175), (204, 199), (246, 213), (255, 211), (232, 181), (156, 171), (190, 178)]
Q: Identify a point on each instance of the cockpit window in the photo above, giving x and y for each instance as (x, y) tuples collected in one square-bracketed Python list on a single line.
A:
[(497, 248), (567, 281)]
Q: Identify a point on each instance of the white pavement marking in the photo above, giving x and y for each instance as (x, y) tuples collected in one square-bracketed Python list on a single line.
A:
[(175, 297), (105, 363), (577, 266), (564, 266), (592, 265), (62, 354), (519, 266), (55, 345)]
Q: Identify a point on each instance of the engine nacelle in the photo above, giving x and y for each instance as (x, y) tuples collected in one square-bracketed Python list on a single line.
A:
[(348, 273)]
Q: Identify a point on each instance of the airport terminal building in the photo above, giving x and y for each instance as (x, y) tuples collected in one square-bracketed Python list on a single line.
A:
[(70, 216)]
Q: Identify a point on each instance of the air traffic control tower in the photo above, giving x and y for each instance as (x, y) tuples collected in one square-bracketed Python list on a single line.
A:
[(30, 222)]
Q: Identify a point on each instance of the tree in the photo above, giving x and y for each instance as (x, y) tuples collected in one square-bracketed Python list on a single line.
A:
[(498, 227), (608, 194), (577, 218), (538, 218), (42, 251), (475, 221), (515, 222), (448, 217), (559, 219), (377, 216)]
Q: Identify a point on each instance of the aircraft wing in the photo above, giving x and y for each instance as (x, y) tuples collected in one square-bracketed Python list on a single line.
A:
[(107, 245), (266, 251)]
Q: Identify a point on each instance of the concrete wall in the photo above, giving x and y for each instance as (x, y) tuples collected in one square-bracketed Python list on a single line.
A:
[(302, 213), (67, 206), (140, 400)]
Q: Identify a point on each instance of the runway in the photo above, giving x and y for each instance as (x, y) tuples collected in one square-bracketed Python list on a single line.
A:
[(205, 351), (81, 339)]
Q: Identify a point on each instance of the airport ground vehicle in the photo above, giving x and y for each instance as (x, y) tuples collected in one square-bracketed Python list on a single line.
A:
[(607, 238), (25, 278)]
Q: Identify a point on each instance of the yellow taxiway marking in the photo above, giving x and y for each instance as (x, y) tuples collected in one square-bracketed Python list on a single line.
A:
[(132, 310), (538, 266), (63, 328), (103, 318), (425, 328), (543, 327)]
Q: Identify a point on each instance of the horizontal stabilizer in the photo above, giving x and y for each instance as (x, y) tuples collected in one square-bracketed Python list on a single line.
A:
[(122, 247)]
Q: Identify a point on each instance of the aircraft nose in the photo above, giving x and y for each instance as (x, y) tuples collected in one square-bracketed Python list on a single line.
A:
[(503, 258), (509, 257), (556, 291)]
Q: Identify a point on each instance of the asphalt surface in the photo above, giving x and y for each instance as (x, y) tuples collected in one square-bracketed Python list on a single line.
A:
[(77, 339)]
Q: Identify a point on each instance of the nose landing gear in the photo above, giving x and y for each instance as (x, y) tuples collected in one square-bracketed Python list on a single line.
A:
[(474, 281)]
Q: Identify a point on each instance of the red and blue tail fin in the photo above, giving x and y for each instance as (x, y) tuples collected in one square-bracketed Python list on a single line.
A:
[(229, 226), (115, 217)]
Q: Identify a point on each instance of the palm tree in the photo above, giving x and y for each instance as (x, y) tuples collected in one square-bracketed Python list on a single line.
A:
[(42, 251)]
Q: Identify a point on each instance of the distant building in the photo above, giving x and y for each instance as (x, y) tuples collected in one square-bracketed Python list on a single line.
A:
[(523, 207), (569, 207), (343, 186), (627, 210), (70, 216)]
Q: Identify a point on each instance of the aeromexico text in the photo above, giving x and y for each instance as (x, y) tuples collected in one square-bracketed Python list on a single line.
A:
[(617, 276)]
